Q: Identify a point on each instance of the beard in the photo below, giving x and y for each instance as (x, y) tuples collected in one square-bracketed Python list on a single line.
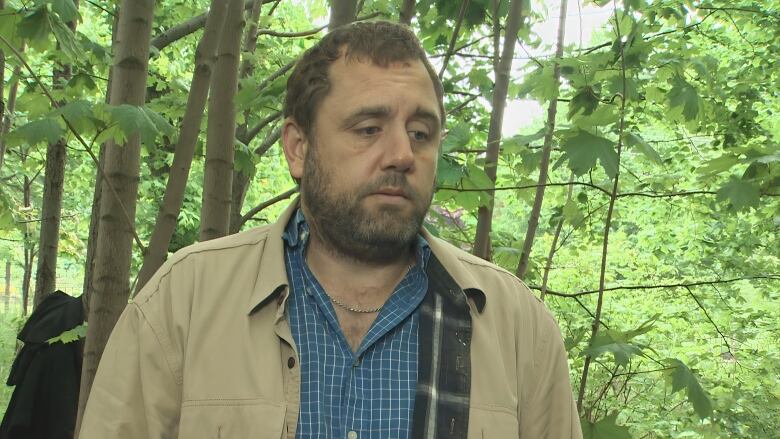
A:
[(348, 227)]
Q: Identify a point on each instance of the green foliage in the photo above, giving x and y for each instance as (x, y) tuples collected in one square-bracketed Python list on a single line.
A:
[(70, 335), (582, 149), (683, 378), (605, 428)]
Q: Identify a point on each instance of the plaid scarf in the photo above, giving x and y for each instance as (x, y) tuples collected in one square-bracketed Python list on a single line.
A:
[(441, 405)]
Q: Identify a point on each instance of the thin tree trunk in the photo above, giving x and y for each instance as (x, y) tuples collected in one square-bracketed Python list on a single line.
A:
[(7, 295), (544, 164), (241, 180), (241, 184), (51, 204), (220, 138), (29, 245), (407, 12), (205, 58), (607, 224), (94, 219), (554, 245), (485, 214), (454, 37), (342, 12), (8, 108), (115, 236), (2, 93)]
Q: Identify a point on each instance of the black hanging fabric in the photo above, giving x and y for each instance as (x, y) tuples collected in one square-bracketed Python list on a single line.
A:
[(46, 376)]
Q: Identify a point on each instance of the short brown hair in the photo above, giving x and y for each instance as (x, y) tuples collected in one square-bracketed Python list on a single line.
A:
[(380, 42)]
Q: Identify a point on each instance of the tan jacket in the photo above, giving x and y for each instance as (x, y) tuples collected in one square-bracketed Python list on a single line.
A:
[(205, 351)]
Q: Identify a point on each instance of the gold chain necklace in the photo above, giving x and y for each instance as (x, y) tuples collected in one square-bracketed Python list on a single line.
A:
[(361, 310)]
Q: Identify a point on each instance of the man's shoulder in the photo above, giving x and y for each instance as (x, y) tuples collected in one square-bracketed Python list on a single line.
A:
[(217, 247), (216, 256)]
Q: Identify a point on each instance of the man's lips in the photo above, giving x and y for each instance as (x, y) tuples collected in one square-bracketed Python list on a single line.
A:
[(392, 192)]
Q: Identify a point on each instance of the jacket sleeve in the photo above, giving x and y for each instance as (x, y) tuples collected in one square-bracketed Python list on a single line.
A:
[(136, 393), (550, 412)]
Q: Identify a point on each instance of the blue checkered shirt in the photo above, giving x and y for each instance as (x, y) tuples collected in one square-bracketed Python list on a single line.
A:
[(370, 392)]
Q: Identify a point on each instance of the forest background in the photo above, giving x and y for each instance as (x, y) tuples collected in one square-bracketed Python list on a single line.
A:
[(621, 157)]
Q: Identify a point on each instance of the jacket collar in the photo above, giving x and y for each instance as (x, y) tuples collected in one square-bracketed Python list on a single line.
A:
[(272, 275)]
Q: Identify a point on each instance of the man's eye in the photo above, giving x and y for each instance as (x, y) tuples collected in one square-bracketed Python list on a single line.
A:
[(418, 136), (368, 131)]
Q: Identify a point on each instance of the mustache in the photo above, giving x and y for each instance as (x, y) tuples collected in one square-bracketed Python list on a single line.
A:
[(394, 180)]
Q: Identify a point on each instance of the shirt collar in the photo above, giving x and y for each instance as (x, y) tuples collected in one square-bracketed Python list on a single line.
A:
[(272, 276)]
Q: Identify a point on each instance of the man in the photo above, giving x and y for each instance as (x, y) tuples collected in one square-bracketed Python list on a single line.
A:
[(345, 319)]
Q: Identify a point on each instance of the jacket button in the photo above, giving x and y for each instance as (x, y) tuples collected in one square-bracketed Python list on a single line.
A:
[(291, 362)]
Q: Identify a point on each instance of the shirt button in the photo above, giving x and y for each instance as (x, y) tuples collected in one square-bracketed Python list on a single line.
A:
[(352, 435), (291, 362)]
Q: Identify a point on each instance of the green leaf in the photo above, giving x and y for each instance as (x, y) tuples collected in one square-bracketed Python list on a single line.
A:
[(605, 428), (9, 21), (66, 9), (75, 112), (571, 212), (584, 102), (685, 95), (718, 165), (65, 38), (741, 194), (583, 149), (47, 129), (35, 26), (70, 335), (132, 120), (518, 143), (683, 378), (7, 221), (606, 343), (639, 143), (457, 137), (448, 172)]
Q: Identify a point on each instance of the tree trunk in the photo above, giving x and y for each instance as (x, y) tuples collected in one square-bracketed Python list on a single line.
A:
[(2, 92), (29, 246), (51, 212), (544, 164), (51, 204), (205, 57), (407, 12), (485, 214), (9, 107), (115, 231), (94, 219), (220, 138), (342, 12), (241, 180), (7, 295)]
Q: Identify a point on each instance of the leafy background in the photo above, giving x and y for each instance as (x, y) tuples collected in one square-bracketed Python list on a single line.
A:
[(689, 335)]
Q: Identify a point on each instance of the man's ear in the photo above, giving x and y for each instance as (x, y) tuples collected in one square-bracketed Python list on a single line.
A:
[(295, 145)]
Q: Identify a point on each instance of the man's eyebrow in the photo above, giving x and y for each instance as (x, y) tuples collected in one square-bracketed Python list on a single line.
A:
[(430, 116), (379, 111)]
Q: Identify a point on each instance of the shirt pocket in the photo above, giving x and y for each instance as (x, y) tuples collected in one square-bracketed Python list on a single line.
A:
[(228, 419), (493, 422)]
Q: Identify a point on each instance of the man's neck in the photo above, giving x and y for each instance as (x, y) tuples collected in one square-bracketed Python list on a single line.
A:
[(349, 278)]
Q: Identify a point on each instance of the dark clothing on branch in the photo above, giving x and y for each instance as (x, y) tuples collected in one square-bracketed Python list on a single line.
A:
[(46, 376)]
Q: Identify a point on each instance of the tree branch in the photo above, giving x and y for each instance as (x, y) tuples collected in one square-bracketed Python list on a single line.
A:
[(708, 317), (659, 286), (175, 33), (252, 212)]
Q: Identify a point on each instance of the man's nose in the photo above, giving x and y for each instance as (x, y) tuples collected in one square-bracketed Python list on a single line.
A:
[(398, 151)]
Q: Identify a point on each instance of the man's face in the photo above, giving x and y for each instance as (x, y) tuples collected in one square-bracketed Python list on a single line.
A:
[(368, 166)]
